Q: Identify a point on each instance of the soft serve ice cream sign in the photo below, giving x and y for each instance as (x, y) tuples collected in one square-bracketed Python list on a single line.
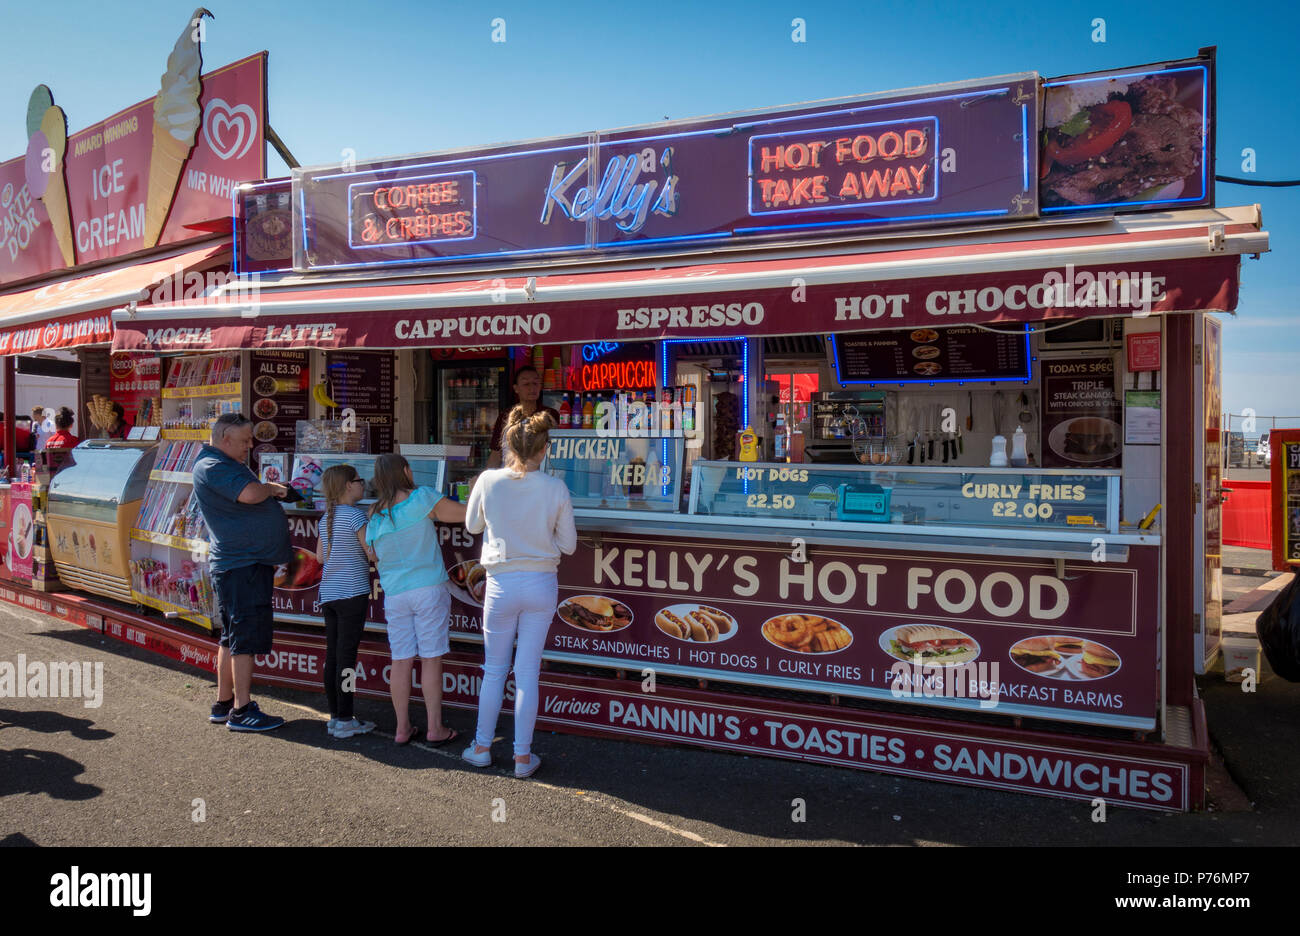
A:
[(139, 178)]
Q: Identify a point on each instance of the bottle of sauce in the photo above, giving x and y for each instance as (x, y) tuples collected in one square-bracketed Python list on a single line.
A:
[(565, 412), (588, 414)]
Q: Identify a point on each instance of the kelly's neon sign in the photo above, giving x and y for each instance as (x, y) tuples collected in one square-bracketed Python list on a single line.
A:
[(619, 196)]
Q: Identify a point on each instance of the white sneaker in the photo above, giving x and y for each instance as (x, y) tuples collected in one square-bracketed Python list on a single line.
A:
[(528, 769), (346, 729), (477, 758), (331, 725)]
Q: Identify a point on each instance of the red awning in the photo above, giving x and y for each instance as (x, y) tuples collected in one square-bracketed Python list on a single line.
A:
[(77, 310), (1177, 262)]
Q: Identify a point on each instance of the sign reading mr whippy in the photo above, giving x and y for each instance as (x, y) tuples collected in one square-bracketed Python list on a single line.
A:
[(916, 158)]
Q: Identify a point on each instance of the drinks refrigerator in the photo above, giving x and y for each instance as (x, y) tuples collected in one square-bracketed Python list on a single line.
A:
[(469, 399)]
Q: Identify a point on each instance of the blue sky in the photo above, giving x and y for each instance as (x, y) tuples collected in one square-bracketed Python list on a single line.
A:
[(388, 77)]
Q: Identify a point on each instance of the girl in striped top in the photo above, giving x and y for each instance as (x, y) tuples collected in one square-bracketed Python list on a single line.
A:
[(344, 592)]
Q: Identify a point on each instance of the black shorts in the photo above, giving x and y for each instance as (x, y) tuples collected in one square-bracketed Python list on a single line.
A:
[(246, 612)]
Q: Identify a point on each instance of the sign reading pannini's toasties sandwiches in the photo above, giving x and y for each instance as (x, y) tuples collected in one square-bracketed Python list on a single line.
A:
[(138, 178)]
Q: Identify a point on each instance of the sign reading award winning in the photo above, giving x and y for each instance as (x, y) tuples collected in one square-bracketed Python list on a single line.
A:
[(843, 165)]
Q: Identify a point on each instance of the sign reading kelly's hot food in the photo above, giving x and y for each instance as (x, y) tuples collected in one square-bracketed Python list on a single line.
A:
[(909, 158), (138, 178)]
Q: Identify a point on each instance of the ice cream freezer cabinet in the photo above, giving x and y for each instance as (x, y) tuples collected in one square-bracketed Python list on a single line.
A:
[(93, 503)]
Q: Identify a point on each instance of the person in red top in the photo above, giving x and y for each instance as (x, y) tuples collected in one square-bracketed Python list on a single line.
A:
[(63, 437)]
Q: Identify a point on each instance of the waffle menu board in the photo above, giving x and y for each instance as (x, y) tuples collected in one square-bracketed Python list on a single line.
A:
[(364, 382), (279, 398), (929, 354)]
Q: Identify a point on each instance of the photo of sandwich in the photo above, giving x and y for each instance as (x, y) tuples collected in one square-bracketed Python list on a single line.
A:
[(1096, 662), (1037, 655), (696, 623), (1085, 439), (1067, 646), (1131, 138), (933, 643), (806, 633), (594, 613)]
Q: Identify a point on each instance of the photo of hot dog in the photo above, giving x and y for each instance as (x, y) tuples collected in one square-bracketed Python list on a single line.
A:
[(695, 623)]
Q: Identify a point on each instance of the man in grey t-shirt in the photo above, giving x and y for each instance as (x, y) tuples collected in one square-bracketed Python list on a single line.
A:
[(248, 536)]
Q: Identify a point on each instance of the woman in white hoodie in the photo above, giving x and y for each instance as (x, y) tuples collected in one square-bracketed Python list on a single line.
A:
[(528, 518)]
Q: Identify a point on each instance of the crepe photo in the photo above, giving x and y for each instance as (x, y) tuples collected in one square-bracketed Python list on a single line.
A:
[(933, 643), (594, 613)]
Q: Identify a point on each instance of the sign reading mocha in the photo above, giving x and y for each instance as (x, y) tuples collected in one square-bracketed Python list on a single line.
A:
[(838, 166)]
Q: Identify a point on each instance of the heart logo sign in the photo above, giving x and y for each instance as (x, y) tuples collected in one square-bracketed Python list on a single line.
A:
[(228, 130)]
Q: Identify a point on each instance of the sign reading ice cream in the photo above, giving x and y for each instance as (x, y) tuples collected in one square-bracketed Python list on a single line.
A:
[(138, 178)]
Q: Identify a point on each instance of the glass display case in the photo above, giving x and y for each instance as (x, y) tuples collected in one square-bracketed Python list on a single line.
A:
[(427, 470), (93, 504), (1062, 500), (618, 471)]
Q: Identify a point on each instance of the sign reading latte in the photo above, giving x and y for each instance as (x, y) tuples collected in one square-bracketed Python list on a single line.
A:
[(845, 165)]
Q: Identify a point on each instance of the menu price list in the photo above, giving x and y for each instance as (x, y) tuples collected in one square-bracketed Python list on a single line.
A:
[(932, 354), (364, 382), (279, 398)]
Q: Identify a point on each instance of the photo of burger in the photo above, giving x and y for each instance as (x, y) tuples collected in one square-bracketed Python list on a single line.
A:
[(594, 613), (933, 643), (1036, 655), (1096, 662)]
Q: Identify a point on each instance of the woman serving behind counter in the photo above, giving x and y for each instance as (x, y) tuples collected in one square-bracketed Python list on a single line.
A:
[(528, 389)]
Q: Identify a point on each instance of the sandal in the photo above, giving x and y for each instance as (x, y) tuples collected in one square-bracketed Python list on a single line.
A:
[(452, 735)]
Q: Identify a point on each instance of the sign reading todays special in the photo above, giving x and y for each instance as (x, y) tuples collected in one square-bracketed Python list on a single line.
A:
[(138, 178), (909, 158)]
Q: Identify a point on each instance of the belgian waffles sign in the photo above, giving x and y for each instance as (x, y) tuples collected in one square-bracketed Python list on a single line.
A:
[(138, 178)]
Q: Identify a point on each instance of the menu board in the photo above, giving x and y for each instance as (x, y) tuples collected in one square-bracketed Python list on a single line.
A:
[(1082, 416), (137, 385), (364, 383), (279, 398), (926, 355), (1291, 501)]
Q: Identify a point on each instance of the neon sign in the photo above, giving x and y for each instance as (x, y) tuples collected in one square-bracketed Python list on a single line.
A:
[(592, 352), (617, 375), (418, 210), (845, 167), (619, 194)]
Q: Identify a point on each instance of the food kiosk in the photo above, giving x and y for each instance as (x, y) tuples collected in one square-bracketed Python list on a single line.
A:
[(981, 575)]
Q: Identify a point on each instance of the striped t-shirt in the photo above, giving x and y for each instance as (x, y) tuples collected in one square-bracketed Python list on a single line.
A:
[(347, 570)]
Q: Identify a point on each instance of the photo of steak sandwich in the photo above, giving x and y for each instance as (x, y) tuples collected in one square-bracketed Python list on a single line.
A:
[(1114, 140), (595, 613)]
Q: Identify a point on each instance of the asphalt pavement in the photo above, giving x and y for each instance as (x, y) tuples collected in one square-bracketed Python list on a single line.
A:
[(145, 768)]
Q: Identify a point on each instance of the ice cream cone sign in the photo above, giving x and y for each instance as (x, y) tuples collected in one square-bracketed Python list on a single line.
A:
[(47, 141), (176, 118)]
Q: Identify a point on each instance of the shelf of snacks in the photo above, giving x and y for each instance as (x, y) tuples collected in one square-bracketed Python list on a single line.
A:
[(215, 390), (176, 542), (169, 512)]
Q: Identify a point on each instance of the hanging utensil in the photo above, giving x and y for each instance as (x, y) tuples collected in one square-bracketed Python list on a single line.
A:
[(970, 410), (1025, 415), (997, 413)]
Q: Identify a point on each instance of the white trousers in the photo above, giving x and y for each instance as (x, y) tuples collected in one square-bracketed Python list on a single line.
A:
[(518, 605)]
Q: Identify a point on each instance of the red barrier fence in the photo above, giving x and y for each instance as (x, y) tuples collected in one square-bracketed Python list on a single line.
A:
[(1246, 514)]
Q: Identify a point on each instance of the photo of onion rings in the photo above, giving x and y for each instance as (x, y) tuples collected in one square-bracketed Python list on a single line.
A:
[(806, 633)]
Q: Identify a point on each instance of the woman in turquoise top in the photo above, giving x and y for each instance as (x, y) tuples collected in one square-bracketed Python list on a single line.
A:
[(417, 605)]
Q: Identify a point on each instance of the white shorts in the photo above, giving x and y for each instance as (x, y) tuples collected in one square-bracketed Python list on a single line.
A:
[(418, 620)]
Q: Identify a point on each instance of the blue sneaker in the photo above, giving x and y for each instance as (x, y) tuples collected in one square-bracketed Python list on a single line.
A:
[(221, 712), (253, 719)]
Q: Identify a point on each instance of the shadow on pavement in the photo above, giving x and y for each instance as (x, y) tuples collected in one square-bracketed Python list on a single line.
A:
[(29, 771), (53, 723)]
